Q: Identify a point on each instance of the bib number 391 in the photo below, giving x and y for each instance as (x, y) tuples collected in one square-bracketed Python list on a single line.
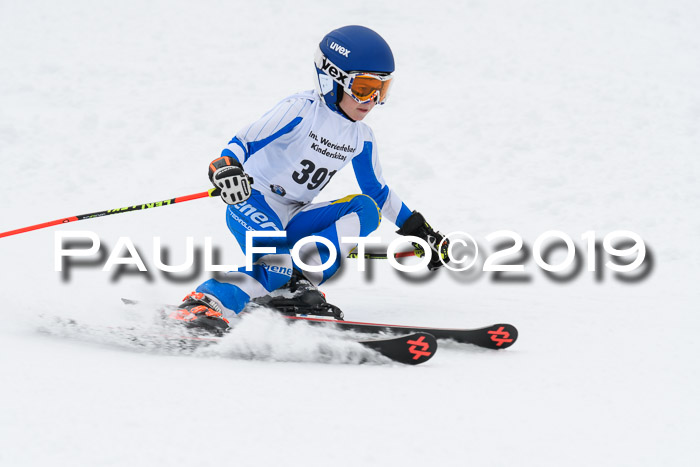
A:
[(314, 176)]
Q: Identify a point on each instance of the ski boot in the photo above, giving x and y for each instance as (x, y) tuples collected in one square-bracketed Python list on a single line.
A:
[(299, 297), (199, 312)]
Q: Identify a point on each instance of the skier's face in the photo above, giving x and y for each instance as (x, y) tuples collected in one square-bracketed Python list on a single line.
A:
[(353, 109)]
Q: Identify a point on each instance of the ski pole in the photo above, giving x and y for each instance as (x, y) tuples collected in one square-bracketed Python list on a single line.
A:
[(401, 254), (213, 192), (137, 207)]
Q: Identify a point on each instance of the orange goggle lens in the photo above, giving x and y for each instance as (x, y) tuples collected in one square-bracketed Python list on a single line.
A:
[(367, 87)]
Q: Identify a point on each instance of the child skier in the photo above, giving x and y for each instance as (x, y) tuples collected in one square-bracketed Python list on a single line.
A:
[(289, 156)]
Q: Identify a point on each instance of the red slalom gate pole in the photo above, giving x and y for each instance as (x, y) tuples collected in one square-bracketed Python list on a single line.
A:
[(137, 207)]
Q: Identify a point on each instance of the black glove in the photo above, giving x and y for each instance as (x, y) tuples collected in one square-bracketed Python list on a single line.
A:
[(227, 174), (416, 226)]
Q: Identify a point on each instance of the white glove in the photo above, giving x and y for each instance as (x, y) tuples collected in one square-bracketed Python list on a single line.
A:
[(233, 182)]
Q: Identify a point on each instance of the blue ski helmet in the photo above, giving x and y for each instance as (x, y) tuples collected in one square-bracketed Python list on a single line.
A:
[(352, 49)]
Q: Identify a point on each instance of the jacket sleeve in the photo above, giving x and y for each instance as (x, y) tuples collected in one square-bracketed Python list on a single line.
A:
[(368, 173)]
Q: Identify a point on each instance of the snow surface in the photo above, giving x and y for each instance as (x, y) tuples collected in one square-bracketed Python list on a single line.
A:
[(527, 116)]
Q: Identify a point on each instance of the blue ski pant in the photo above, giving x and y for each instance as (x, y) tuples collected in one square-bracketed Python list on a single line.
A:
[(352, 216)]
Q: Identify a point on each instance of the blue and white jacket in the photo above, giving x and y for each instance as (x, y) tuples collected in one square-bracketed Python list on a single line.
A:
[(294, 150)]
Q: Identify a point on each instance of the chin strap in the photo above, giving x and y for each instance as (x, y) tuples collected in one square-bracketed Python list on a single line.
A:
[(342, 112)]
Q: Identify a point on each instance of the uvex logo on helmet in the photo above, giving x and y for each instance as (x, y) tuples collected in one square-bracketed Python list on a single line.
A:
[(340, 49), (333, 71)]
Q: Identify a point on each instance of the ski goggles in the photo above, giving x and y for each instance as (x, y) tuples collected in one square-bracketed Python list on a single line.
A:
[(361, 86)]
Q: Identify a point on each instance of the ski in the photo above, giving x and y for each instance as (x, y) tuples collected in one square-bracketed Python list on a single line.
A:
[(495, 336), (409, 349)]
